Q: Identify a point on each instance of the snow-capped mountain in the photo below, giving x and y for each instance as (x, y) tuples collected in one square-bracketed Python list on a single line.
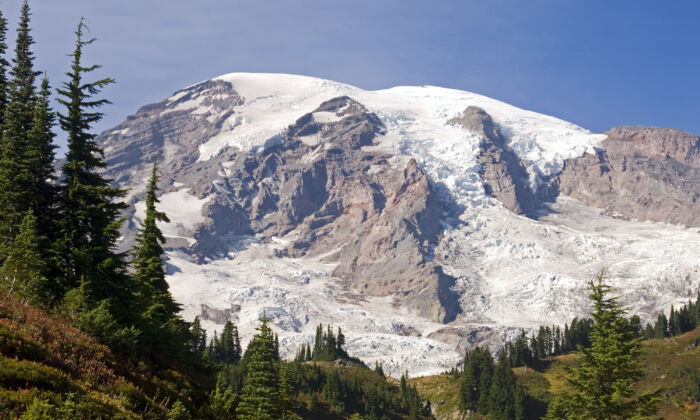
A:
[(421, 220)]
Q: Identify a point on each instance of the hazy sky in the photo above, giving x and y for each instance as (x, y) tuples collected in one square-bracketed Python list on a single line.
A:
[(594, 63)]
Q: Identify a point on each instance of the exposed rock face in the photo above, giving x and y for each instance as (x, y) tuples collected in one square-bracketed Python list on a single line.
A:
[(504, 175), (466, 338), (349, 206), (646, 173), (643, 172), (316, 185)]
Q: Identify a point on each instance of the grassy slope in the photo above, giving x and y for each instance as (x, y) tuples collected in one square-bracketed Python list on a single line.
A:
[(666, 363), (42, 356)]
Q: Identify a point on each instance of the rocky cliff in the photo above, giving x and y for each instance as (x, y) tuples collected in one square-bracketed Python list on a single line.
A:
[(645, 173)]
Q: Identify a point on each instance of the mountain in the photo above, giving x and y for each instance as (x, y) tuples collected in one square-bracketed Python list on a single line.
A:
[(421, 220)]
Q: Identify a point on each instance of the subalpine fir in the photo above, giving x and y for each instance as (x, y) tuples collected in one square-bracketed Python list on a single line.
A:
[(16, 174), (90, 209)]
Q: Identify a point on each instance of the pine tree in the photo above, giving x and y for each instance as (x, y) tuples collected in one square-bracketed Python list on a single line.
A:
[(15, 173), (22, 271), (603, 383), (90, 214), (260, 398)]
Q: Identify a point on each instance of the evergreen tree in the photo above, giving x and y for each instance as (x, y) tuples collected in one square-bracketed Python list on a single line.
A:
[(179, 412), (519, 403), (15, 173), (649, 332), (286, 393), (4, 65), (568, 344), (213, 349), (635, 325), (318, 342), (340, 342), (228, 346), (603, 383), (158, 310), (277, 347), (223, 401), (476, 380), (40, 155), (22, 271), (379, 369), (260, 398), (198, 337), (502, 404), (661, 326), (90, 213)]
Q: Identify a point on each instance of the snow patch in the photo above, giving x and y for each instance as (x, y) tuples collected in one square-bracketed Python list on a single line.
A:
[(183, 209)]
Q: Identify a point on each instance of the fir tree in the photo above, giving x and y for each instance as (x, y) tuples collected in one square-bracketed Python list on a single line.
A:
[(661, 326), (318, 343), (502, 404), (603, 383), (223, 401), (4, 65), (379, 369), (40, 155), (340, 342), (158, 310), (15, 172), (199, 337), (286, 393), (22, 271), (260, 398), (90, 213), (228, 346)]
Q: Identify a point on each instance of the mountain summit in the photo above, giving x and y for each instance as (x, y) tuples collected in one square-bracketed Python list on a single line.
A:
[(421, 220)]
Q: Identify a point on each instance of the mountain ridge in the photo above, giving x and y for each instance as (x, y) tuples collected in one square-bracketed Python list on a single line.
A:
[(314, 201)]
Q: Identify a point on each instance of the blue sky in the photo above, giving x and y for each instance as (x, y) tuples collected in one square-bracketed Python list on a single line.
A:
[(594, 63)]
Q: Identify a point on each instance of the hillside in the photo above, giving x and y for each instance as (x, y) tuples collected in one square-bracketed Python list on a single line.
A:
[(43, 357), (54, 371), (668, 364)]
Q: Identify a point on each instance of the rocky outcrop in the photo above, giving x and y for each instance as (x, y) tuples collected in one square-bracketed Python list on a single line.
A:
[(503, 174), (349, 206), (645, 173)]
